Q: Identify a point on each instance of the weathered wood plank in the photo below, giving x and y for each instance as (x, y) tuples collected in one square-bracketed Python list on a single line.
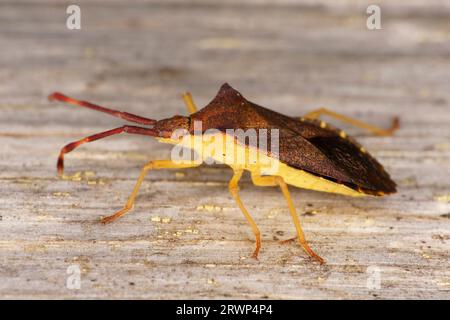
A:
[(186, 238)]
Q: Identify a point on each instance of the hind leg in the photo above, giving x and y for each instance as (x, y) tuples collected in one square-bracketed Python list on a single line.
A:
[(373, 129)]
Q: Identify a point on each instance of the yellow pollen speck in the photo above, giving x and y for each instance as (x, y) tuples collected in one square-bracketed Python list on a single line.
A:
[(323, 124), (444, 283), (89, 173), (180, 174), (426, 256), (302, 119), (209, 208), (442, 198), (362, 150), (61, 194), (74, 177), (156, 219), (273, 213), (342, 134)]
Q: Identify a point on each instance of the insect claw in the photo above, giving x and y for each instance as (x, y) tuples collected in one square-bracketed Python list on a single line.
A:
[(286, 241), (395, 124), (308, 250), (108, 219), (118, 214), (312, 254), (318, 259), (60, 167), (255, 256), (394, 127), (257, 248)]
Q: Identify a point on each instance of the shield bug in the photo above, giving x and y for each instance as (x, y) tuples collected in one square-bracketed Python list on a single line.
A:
[(310, 153)]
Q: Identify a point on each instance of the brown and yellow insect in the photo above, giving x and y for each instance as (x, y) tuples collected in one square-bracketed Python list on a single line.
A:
[(311, 154)]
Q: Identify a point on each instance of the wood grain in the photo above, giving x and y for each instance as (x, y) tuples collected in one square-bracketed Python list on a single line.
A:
[(186, 238)]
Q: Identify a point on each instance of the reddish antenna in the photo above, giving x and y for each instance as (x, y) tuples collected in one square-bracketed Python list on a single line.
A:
[(119, 114)]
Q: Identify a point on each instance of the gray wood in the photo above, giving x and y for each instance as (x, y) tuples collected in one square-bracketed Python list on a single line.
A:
[(186, 238)]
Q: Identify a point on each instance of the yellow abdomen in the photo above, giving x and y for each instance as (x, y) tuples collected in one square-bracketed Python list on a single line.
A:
[(256, 162)]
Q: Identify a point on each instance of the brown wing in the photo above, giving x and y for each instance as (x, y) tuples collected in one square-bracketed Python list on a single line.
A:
[(303, 145)]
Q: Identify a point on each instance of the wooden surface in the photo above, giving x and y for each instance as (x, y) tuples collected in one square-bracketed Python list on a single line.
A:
[(186, 238)]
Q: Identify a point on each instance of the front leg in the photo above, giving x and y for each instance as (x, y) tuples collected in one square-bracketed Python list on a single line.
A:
[(234, 190), (154, 164), (189, 102)]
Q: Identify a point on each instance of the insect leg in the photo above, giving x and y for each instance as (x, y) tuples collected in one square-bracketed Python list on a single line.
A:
[(189, 102), (373, 129), (155, 164), (123, 115), (128, 129), (234, 190), (268, 181)]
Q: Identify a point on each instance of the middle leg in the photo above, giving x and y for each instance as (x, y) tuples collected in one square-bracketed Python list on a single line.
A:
[(269, 181)]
